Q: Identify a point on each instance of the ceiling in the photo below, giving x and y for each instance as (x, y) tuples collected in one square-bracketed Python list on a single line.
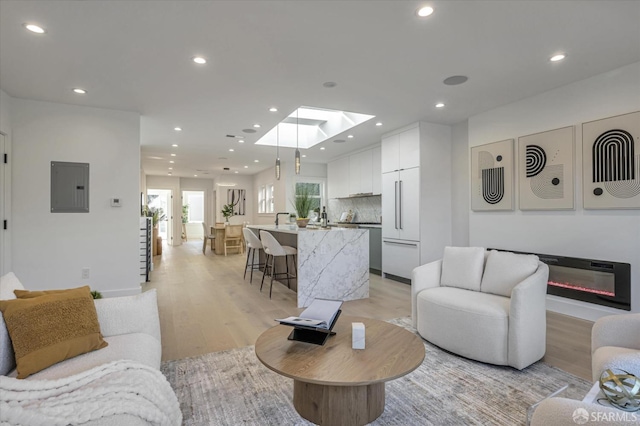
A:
[(137, 56)]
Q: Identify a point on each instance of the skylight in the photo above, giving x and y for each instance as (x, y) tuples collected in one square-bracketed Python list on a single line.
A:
[(313, 125)]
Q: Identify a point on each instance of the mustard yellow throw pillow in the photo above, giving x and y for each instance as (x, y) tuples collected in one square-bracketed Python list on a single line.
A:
[(51, 327)]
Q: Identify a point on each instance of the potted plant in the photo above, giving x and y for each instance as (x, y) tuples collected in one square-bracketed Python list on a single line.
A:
[(227, 212), (302, 204)]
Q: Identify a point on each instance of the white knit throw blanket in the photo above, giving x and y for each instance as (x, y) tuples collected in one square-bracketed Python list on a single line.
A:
[(119, 387)]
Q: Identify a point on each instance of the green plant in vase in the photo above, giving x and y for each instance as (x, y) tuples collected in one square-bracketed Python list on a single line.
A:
[(302, 203), (227, 211), (185, 213)]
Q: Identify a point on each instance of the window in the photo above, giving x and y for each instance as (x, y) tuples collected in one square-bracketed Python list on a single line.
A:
[(316, 191), (265, 199), (262, 199)]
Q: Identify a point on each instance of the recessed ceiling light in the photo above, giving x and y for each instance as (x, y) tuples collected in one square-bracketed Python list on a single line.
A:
[(235, 171), (79, 91), (256, 161), (173, 155), (322, 148), (34, 28), (304, 155), (175, 145), (454, 80), (240, 141), (425, 11), (246, 167), (350, 136), (440, 105), (558, 57), (195, 175), (169, 173), (170, 168), (199, 60), (378, 124), (230, 149), (177, 129), (257, 126), (171, 162), (329, 84), (273, 109)]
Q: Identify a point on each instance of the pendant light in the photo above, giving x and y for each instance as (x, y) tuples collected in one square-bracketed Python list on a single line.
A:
[(297, 150), (278, 152)]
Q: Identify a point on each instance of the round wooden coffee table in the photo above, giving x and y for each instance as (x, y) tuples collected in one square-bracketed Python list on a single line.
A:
[(335, 384)]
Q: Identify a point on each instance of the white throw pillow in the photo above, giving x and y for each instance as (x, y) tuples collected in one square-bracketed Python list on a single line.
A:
[(462, 267), (505, 270), (8, 283)]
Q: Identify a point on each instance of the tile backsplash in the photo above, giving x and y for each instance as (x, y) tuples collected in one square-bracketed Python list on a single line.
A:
[(365, 209)]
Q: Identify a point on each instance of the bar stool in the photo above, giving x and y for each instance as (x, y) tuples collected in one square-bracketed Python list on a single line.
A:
[(253, 243), (273, 249)]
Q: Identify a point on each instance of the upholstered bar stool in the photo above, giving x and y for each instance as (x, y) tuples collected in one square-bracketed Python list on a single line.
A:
[(273, 249), (253, 244)]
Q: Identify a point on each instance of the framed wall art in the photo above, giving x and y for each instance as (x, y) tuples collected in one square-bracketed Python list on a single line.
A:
[(545, 170), (611, 162), (492, 176), (237, 198)]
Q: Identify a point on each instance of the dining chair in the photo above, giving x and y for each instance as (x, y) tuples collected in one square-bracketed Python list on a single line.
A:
[(233, 238), (273, 249), (253, 244), (207, 236)]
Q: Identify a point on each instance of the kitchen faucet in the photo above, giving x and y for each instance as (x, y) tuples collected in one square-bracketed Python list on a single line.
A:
[(277, 214)]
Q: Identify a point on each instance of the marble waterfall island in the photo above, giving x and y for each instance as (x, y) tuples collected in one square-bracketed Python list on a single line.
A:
[(332, 264)]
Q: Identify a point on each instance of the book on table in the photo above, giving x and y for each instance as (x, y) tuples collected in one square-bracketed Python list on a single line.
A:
[(315, 323)]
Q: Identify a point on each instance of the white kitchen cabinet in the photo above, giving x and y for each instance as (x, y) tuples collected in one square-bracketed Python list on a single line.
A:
[(376, 170), (400, 257), (355, 165), (401, 150), (416, 196), (338, 178), (401, 204)]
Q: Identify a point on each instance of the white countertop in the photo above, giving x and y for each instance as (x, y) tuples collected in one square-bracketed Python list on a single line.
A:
[(293, 228)]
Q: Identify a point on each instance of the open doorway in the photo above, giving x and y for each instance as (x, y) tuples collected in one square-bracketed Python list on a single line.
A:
[(192, 215), (161, 199)]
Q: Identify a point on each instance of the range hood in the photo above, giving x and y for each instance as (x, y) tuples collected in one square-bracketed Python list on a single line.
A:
[(359, 195)]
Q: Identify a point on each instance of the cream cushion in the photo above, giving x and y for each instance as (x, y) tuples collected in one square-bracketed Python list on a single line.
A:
[(8, 283), (462, 267), (505, 270), (446, 316)]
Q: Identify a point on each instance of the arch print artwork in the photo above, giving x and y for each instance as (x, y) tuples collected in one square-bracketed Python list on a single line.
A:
[(611, 162), (545, 170), (492, 176)]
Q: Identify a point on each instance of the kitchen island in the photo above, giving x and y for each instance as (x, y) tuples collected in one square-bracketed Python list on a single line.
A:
[(332, 263)]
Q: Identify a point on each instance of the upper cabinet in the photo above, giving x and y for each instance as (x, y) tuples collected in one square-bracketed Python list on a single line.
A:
[(401, 150), (357, 173), (338, 178)]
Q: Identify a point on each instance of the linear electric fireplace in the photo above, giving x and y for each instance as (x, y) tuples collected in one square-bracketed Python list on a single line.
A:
[(596, 281)]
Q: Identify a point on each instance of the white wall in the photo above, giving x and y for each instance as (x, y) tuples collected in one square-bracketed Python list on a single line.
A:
[(241, 182), (5, 185), (599, 234), (460, 185), (50, 249)]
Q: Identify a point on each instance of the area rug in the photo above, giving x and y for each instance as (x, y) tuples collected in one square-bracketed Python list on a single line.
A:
[(233, 388)]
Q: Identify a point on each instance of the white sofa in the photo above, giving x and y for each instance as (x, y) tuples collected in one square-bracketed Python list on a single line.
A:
[(484, 306), (130, 325), (615, 344)]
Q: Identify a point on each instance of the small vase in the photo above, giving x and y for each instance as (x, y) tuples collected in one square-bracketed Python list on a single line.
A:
[(302, 223)]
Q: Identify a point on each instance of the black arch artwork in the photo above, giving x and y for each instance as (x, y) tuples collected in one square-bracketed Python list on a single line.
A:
[(493, 185), (613, 156), (535, 160)]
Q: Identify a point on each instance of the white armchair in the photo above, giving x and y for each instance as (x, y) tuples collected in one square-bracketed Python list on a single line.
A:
[(615, 344), (494, 313)]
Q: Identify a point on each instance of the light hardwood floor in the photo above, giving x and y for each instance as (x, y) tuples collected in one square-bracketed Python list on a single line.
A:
[(206, 306)]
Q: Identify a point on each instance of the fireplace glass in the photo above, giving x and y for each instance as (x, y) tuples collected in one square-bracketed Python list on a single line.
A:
[(590, 281)]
